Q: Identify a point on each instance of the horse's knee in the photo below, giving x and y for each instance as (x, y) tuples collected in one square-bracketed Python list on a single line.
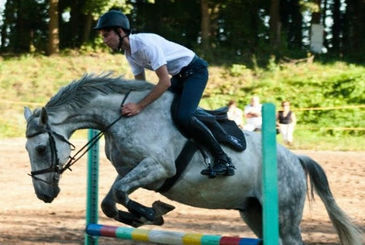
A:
[(120, 194), (109, 208)]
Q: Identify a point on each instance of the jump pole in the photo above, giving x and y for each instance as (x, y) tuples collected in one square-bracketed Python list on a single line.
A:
[(167, 237), (269, 176), (270, 207), (92, 188)]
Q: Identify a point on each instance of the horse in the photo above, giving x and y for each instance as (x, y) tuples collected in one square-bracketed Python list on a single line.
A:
[(143, 150)]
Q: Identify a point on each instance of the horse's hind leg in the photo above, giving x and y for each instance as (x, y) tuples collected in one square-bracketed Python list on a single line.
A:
[(252, 215), (289, 224), (291, 205), (289, 231)]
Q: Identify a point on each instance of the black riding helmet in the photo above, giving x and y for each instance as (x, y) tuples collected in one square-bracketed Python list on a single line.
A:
[(113, 19)]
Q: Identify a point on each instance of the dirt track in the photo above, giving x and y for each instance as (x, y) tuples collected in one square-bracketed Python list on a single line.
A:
[(26, 220)]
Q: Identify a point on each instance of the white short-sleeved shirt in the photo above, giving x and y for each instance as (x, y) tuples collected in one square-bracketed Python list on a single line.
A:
[(152, 51), (255, 122)]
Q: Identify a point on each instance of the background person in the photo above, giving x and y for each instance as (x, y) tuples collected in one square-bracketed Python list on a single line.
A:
[(235, 114), (253, 115), (286, 120)]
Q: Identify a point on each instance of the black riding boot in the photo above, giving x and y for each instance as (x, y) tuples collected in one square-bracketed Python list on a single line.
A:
[(222, 163)]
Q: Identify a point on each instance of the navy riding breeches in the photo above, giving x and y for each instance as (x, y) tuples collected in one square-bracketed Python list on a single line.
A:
[(188, 87)]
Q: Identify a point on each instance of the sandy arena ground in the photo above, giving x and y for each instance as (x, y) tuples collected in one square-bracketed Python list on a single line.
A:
[(26, 220)]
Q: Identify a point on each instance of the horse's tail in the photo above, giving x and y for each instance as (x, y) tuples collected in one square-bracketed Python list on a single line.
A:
[(348, 233)]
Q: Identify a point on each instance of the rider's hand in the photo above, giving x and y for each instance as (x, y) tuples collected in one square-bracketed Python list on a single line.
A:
[(131, 109)]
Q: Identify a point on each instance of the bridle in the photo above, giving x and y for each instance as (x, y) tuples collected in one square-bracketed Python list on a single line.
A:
[(56, 167)]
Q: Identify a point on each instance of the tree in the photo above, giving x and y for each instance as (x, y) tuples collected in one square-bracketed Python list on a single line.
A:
[(336, 27), (324, 17), (316, 12), (292, 22), (76, 31), (205, 25), (25, 26), (53, 38), (229, 29), (354, 27), (7, 19), (177, 21), (275, 25)]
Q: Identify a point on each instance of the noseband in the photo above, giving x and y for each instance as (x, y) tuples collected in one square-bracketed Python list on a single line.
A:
[(56, 167)]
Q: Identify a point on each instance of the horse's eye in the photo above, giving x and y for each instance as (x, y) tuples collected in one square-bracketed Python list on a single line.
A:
[(41, 149)]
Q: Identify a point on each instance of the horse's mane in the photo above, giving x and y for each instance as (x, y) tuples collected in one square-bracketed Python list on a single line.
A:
[(79, 92)]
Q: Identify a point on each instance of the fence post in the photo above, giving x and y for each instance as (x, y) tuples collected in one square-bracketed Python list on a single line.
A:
[(269, 176), (92, 188)]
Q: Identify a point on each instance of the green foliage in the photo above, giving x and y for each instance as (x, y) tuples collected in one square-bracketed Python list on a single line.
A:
[(237, 70), (98, 7), (309, 6), (305, 85)]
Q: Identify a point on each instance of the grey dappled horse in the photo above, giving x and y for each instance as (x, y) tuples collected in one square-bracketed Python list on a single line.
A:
[(143, 149)]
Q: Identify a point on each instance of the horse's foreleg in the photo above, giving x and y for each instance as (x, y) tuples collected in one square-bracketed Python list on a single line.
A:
[(109, 208), (108, 205), (147, 173)]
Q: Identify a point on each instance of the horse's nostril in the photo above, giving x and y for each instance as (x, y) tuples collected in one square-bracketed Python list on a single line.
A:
[(40, 149)]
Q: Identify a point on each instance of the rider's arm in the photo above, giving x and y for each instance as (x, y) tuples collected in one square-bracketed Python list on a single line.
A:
[(163, 84)]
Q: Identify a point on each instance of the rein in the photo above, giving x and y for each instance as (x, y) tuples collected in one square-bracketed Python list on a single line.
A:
[(55, 165)]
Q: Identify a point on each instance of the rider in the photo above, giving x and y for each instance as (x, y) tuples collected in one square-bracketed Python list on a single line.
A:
[(189, 77)]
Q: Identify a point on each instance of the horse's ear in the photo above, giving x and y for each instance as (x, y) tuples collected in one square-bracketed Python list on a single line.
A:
[(27, 113), (43, 119)]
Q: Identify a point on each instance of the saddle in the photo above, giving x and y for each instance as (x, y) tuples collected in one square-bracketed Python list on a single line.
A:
[(224, 130)]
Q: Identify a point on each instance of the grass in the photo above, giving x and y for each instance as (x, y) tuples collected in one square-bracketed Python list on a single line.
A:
[(30, 80), (314, 141)]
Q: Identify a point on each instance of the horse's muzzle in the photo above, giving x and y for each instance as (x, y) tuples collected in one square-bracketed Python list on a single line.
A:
[(48, 197)]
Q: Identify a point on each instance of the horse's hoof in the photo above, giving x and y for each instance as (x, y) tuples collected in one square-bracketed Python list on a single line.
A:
[(162, 208), (138, 209), (158, 221), (128, 219)]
